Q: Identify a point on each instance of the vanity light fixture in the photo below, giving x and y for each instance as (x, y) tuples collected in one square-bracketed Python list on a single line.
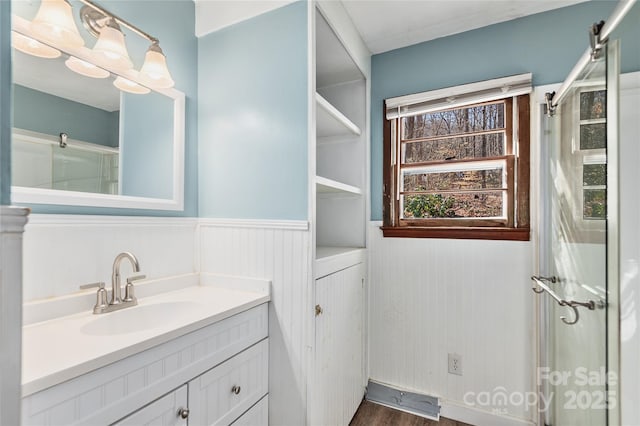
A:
[(85, 68), (54, 23), (154, 71), (33, 47), (54, 31), (129, 86), (110, 48)]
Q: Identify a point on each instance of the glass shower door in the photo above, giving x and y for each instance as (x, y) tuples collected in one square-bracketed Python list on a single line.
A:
[(579, 379)]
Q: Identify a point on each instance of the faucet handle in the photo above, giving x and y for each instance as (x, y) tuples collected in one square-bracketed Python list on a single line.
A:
[(101, 299), (135, 278), (92, 285), (129, 295)]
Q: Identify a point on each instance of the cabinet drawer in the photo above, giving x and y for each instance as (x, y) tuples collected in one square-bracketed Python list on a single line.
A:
[(258, 415), (161, 412), (221, 395)]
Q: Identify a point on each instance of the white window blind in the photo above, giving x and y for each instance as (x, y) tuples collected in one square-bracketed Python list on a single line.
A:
[(458, 96)]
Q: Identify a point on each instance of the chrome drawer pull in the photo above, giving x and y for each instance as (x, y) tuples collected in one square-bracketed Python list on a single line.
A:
[(235, 389), (183, 413)]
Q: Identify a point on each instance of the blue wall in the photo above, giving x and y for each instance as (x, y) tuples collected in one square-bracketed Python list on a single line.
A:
[(44, 113), (179, 43), (252, 80), (547, 44), (5, 103)]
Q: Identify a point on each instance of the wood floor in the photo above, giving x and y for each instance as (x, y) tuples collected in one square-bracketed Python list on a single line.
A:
[(370, 414)]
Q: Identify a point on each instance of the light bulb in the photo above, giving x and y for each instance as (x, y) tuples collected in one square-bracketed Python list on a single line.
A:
[(154, 71), (129, 86), (85, 68), (33, 47), (54, 23), (111, 49)]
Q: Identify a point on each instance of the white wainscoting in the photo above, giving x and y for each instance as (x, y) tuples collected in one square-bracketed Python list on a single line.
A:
[(62, 252), (430, 297), (280, 252)]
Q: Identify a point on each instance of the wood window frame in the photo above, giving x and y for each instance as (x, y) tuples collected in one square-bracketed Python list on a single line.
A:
[(516, 227)]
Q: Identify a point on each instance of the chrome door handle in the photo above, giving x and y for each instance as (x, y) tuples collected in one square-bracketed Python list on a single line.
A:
[(573, 304), (539, 278), (183, 413)]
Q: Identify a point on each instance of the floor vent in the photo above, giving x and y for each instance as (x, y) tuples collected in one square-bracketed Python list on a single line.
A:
[(414, 403)]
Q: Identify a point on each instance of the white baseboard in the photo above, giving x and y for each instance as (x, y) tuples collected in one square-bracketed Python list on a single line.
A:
[(473, 416)]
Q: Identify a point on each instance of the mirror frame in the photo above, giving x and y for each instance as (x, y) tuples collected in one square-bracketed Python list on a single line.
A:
[(25, 195)]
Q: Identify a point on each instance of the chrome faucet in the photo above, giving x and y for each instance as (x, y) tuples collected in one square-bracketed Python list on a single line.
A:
[(115, 278), (117, 302)]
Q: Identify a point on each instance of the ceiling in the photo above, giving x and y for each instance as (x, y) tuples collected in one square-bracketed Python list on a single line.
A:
[(389, 24), (212, 15)]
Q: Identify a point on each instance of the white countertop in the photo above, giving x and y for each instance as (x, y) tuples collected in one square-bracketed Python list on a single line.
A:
[(60, 349)]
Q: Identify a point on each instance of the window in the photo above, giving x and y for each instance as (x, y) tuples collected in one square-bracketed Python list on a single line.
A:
[(594, 189), (458, 171), (591, 146)]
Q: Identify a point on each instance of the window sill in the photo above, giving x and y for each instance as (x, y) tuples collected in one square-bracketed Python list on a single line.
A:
[(467, 233)]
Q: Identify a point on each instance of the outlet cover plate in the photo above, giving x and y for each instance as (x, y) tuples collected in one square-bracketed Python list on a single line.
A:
[(455, 364)]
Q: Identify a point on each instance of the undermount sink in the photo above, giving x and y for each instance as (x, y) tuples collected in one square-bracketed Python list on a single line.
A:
[(138, 318)]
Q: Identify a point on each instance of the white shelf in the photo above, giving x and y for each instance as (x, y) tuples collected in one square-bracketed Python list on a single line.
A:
[(330, 122), (324, 185), (334, 65), (333, 259)]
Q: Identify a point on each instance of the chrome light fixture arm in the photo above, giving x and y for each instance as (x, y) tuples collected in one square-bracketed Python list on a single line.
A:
[(91, 20)]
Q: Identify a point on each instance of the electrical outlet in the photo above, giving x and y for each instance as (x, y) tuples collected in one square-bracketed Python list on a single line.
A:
[(455, 364)]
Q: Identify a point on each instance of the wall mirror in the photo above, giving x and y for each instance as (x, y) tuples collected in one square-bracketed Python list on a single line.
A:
[(82, 140)]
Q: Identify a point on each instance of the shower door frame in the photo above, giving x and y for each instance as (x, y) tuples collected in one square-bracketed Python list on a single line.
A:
[(542, 259), (613, 227), (540, 237)]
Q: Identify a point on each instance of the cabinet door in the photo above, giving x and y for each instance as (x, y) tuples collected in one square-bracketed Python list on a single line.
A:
[(339, 347), (166, 411), (221, 395)]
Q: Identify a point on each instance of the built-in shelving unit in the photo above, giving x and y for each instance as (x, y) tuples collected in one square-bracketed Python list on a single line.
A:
[(338, 191), (340, 182), (330, 122)]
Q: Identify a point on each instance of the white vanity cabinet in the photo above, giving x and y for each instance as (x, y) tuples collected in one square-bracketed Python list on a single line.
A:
[(170, 410), (218, 372)]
